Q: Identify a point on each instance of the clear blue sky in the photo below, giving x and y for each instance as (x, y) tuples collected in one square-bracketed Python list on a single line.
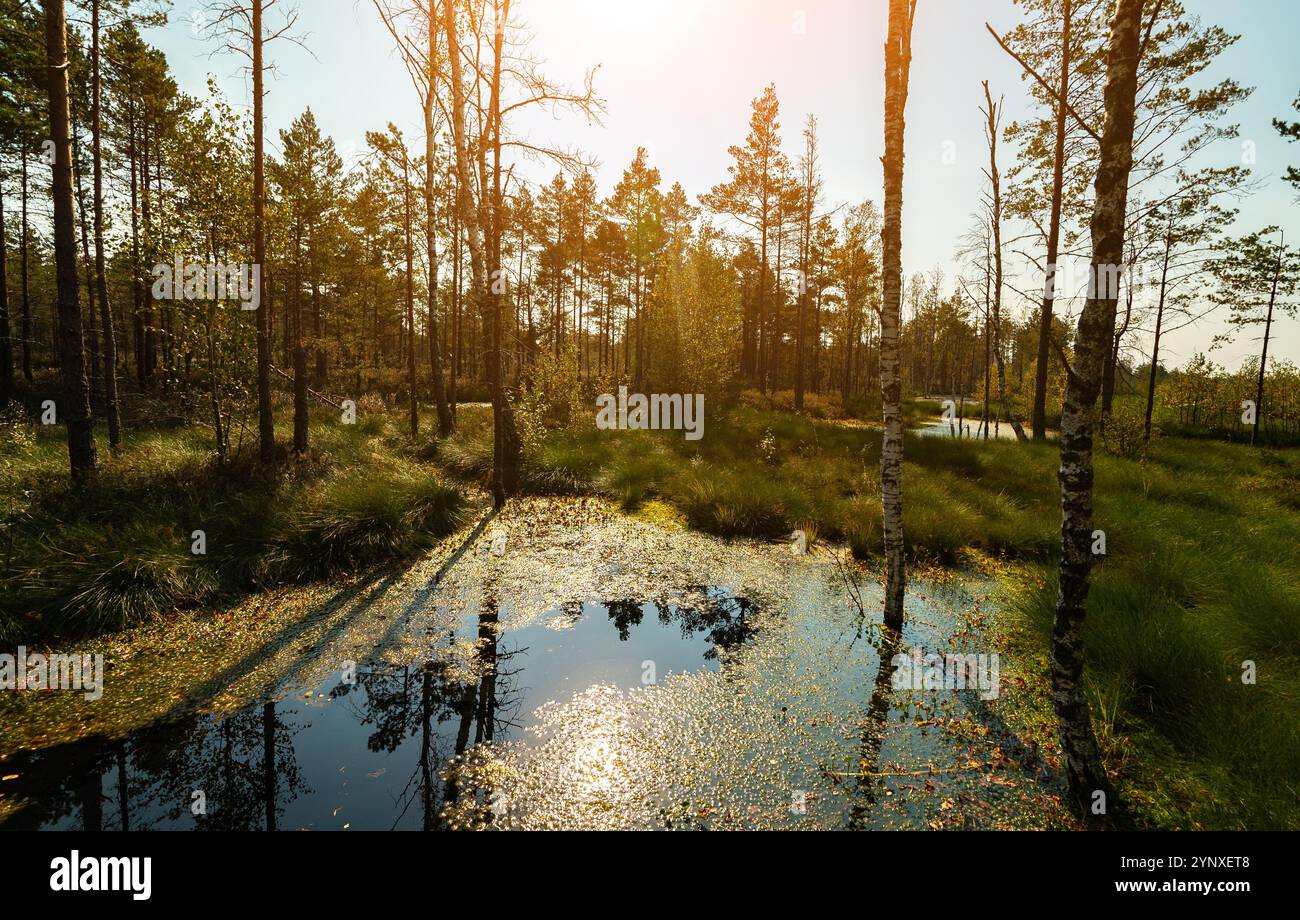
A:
[(679, 75)]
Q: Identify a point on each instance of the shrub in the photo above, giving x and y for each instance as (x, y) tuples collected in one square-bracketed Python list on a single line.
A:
[(1123, 432)]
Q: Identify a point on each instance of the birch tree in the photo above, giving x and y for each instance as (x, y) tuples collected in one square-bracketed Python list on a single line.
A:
[(1089, 786), (898, 62)]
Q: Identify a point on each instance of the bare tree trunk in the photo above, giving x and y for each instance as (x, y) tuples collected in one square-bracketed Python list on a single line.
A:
[(774, 335), (1090, 788), (150, 239), (456, 320), (465, 206), (993, 113), (898, 62), (1268, 330), (75, 406), (1155, 346), (988, 366), (1039, 421), (762, 302), (214, 391)]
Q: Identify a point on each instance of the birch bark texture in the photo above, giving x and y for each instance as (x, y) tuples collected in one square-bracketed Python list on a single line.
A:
[(898, 62), (1090, 789)]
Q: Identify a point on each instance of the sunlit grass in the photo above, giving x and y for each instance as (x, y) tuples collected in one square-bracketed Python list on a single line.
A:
[(120, 553)]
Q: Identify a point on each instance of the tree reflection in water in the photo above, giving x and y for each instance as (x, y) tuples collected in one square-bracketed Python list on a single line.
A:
[(867, 787), (447, 712)]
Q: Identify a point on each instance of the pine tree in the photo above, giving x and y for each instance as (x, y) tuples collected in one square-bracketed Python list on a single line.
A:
[(75, 402)]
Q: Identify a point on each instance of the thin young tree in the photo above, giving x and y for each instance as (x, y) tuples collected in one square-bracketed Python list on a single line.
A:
[(992, 127), (810, 185), (1257, 280), (898, 63), (1090, 788), (242, 25), (1061, 33), (265, 414), (1184, 229)]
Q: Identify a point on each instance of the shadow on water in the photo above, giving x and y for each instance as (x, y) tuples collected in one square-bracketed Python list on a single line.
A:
[(378, 749)]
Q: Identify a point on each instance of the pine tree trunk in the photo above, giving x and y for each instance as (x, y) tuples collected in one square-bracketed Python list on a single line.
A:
[(150, 239), (24, 271), (265, 416), (301, 422), (507, 444), (898, 61), (75, 407), (6, 339), (111, 406), (137, 288), (92, 331), (1089, 785), (412, 379), (446, 422)]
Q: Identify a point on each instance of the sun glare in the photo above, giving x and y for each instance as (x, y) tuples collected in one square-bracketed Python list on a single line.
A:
[(625, 20)]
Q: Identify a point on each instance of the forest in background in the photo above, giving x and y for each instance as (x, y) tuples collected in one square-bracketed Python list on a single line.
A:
[(368, 265)]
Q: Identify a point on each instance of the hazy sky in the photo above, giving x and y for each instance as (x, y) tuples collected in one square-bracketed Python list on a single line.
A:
[(679, 75)]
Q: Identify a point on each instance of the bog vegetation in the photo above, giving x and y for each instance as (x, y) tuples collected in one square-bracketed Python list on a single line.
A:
[(427, 333)]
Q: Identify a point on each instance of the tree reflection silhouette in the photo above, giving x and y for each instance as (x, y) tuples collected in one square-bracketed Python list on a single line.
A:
[(867, 787)]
